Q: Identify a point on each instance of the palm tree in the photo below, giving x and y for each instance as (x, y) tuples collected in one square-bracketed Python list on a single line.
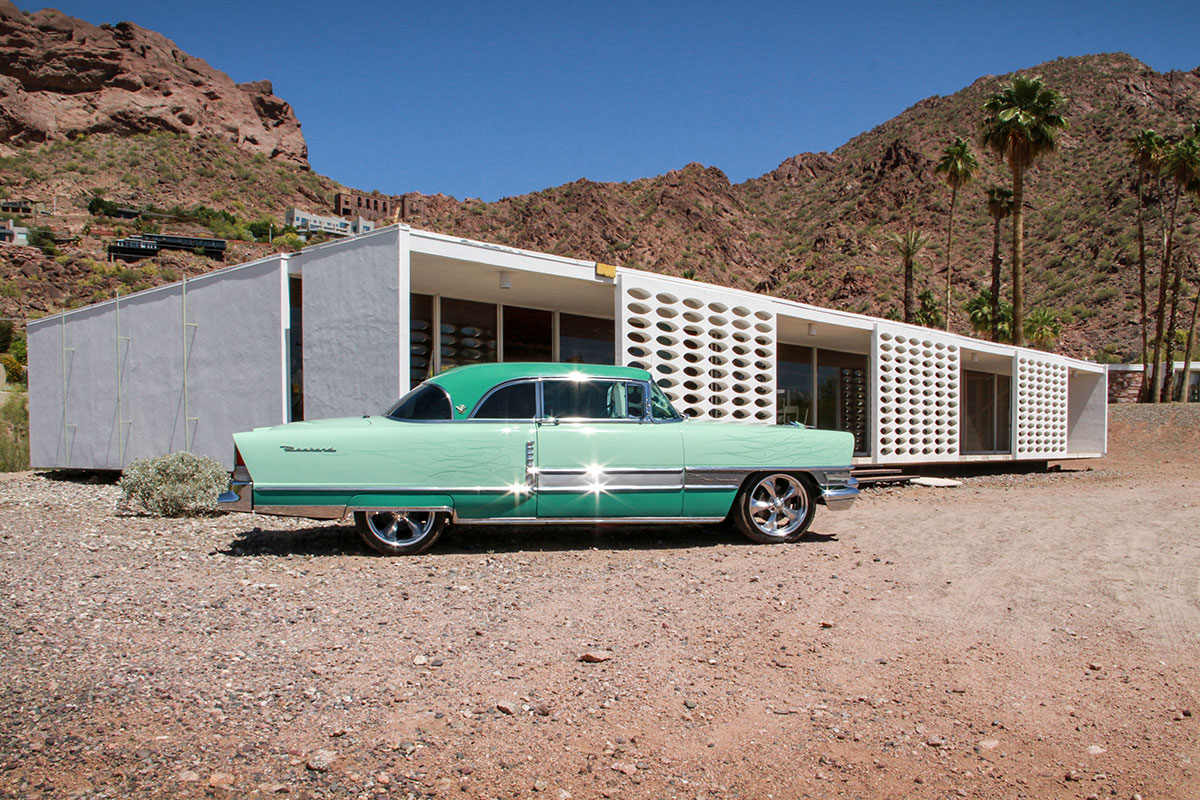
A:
[(999, 205), (1191, 338), (1021, 124), (908, 245), (1146, 150), (1181, 164), (987, 316), (1042, 328), (957, 167)]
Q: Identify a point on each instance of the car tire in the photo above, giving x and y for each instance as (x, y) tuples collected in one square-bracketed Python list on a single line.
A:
[(774, 508), (399, 532)]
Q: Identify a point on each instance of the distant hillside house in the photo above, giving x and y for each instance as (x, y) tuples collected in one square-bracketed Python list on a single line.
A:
[(18, 206), (377, 207), (11, 233), (307, 222)]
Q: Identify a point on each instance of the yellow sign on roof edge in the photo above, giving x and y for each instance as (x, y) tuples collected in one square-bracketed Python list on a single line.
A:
[(605, 270)]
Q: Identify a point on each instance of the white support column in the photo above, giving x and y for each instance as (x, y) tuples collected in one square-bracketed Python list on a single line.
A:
[(404, 312)]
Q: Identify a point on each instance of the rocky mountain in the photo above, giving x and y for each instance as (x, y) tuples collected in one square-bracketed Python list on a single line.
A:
[(61, 76), (813, 229)]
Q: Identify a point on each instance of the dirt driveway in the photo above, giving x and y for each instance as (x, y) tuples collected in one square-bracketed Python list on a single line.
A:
[(1027, 636)]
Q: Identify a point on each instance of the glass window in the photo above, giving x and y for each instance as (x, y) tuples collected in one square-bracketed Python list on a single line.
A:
[(842, 394), (515, 401), (468, 333), (426, 402), (585, 399), (528, 334), (420, 338), (586, 340), (635, 396), (794, 387), (985, 421), (660, 405)]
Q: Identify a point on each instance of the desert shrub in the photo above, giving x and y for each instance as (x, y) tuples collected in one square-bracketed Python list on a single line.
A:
[(174, 485), (12, 368), (14, 434), (18, 349), (43, 239), (6, 335)]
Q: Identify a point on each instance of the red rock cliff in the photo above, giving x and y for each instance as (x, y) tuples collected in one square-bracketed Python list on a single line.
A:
[(60, 76)]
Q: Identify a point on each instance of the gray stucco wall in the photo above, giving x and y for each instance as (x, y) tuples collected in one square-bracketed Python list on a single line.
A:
[(235, 375), (355, 307)]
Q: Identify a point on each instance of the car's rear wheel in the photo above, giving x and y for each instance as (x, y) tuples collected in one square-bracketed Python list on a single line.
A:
[(400, 533), (774, 508)]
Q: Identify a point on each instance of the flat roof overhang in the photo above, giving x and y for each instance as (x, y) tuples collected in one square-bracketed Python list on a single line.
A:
[(469, 270)]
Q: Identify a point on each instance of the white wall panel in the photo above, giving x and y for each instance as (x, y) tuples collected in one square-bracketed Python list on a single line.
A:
[(917, 395), (355, 312), (136, 347), (712, 351)]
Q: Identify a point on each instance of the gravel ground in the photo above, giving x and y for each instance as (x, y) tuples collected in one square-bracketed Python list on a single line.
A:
[(1019, 636)]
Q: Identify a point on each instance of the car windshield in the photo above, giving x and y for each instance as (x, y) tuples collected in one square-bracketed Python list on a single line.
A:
[(660, 405), (426, 402)]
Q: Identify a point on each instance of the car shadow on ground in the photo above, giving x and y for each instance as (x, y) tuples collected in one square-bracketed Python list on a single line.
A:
[(342, 540)]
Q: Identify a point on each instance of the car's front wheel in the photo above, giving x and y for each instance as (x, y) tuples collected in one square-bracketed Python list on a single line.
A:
[(774, 508), (400, 533)]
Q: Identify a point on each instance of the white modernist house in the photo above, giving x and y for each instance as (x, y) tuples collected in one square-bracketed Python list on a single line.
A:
[(345, 327)]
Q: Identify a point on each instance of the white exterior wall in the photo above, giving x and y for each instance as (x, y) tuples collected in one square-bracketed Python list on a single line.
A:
[(107, 382), (356, 316), (711, 350)]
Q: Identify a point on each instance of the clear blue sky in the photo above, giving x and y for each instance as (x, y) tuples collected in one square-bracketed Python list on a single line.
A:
[(490, 99)]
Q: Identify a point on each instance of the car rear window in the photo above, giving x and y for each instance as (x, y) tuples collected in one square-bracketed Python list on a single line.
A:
[(426, 402)]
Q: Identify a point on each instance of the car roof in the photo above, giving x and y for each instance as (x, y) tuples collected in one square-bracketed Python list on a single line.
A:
[(466, 385)]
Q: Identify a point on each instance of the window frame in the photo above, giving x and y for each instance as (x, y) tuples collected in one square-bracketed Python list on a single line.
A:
[(537, 402)]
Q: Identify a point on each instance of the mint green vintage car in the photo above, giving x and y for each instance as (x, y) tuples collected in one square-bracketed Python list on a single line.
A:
[(539, 443)]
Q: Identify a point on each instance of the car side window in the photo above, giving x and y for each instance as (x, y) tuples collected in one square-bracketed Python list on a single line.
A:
[(424, 403), (515, 401), (593, 399), (635, 397)]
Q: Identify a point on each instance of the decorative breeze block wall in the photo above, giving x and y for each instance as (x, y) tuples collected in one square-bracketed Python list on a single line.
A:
[(918, 397), (712, 352), (1041, 406)]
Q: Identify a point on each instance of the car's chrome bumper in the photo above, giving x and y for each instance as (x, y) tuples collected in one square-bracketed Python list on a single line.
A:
[(838, 498), (240, 496)]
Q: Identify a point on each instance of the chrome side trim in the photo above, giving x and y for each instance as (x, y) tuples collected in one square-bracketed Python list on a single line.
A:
[(390, 489), (614, 480), (714, 478), (240, 496), (591, 520)]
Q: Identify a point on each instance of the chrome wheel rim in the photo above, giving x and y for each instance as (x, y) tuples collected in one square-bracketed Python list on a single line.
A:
[(400, 527), (778, 505)]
